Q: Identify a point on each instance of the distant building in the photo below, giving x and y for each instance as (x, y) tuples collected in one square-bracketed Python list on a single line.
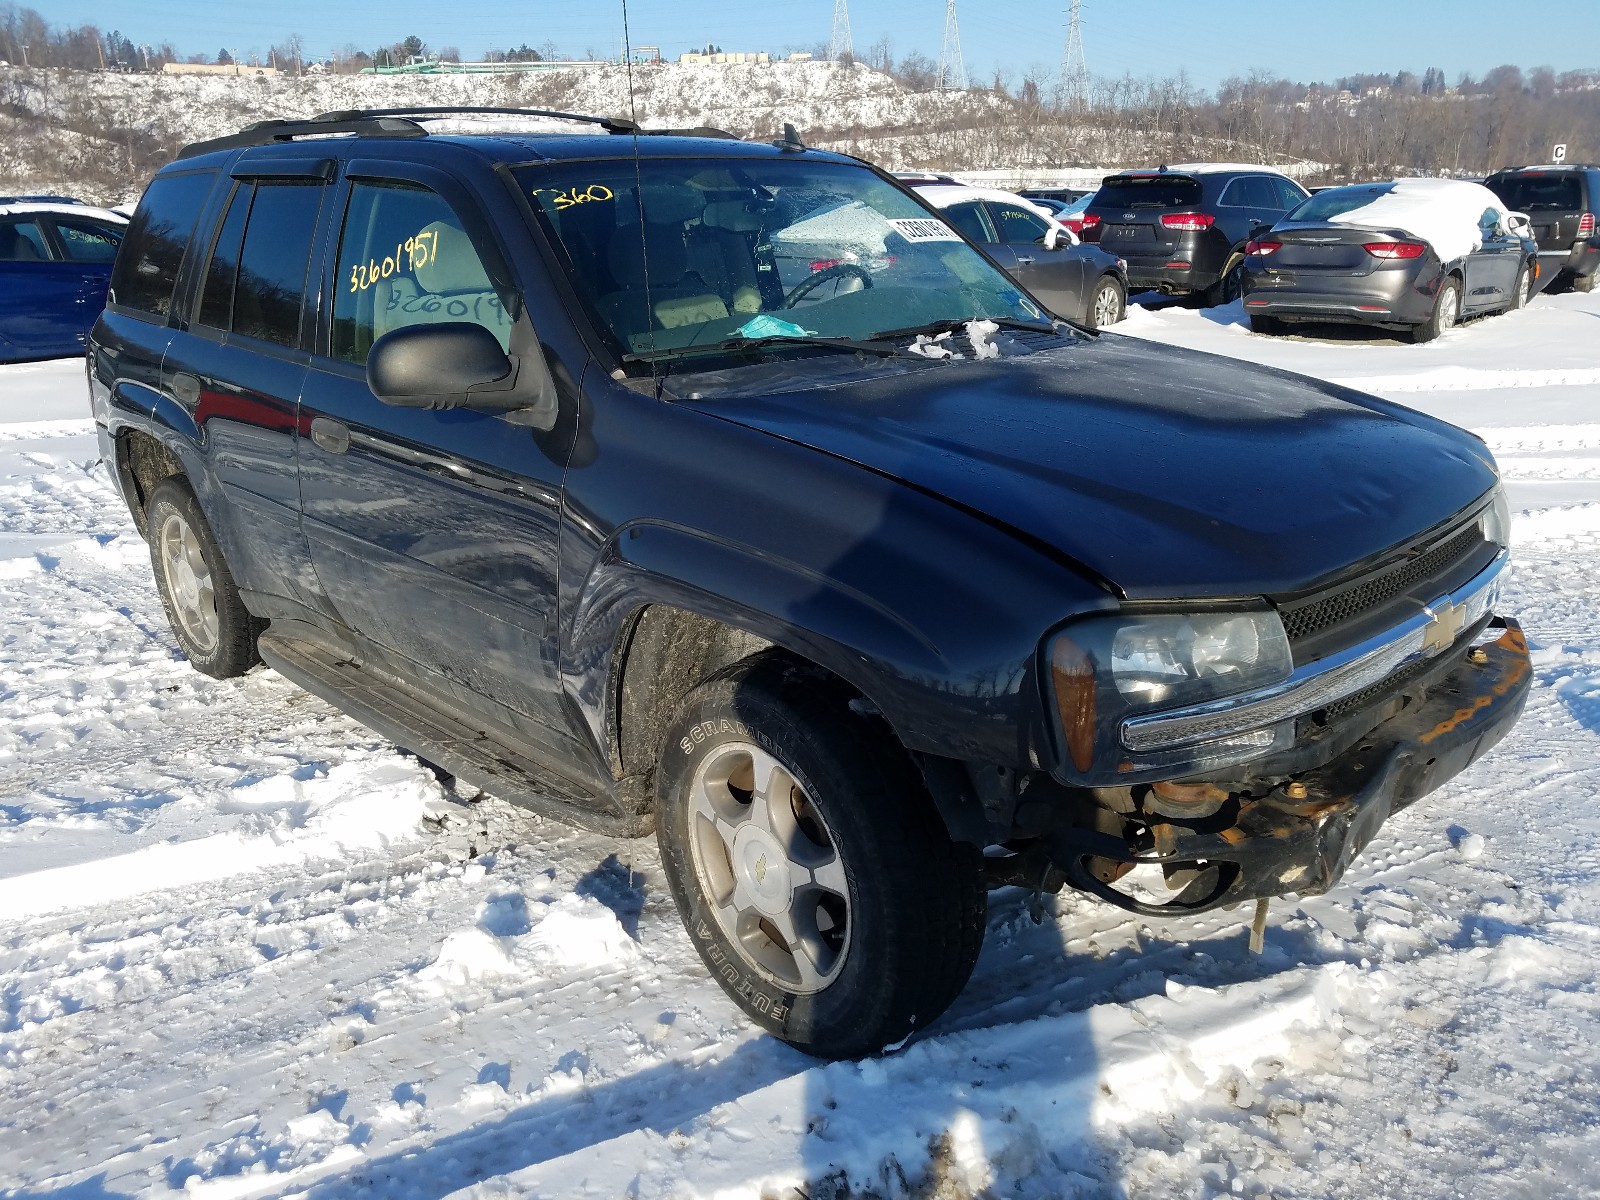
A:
[(215, 69), (728, 58)]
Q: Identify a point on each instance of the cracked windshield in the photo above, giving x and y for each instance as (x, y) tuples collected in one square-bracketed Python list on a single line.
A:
[(670, 255)]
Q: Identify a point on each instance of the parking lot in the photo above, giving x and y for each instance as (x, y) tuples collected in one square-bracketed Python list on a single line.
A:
[(251, 949)]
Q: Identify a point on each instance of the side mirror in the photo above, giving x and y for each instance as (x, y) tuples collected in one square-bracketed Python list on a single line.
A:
[(1052, 238), (455, 364)]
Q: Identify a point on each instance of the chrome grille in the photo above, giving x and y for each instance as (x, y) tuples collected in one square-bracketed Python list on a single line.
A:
[(1309, 618)]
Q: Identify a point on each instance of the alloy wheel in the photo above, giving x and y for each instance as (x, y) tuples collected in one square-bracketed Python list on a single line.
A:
[(768, 866), (189, 583)]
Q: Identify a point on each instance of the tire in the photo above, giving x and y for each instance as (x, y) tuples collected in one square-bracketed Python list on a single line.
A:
[(892, 908), (214, 630), (1107, 305), (1520, 291), (1227, 289), (1446, 312), (1266, 324)]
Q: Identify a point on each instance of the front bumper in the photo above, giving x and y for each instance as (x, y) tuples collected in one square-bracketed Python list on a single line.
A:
[(1303, 835)]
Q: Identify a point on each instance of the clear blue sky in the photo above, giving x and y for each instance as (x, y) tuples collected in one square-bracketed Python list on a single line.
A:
[(1210, 39)]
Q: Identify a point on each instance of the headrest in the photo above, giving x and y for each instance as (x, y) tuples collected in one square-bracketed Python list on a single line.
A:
[(14, 247), (734, 215), (672, 205), (452, 264), (669, 260)]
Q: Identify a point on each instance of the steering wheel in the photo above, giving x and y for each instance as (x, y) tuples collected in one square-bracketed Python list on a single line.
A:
[(812, 282)]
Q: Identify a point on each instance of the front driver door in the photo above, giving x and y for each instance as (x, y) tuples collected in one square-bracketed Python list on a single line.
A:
[(1492, 268), (41, 298), (1054, 275), (434, 533)]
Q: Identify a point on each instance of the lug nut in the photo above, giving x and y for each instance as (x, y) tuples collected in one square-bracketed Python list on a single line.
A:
[(1295, 790)]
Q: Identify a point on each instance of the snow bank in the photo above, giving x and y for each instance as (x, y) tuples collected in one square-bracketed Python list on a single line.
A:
[(1442, 212)]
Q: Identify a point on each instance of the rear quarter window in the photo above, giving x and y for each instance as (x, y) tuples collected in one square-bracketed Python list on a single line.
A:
[(147, 265), (1539, 193), (1154, 192)]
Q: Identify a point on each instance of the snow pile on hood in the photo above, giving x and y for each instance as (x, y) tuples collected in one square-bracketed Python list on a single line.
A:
[(1442, 212)]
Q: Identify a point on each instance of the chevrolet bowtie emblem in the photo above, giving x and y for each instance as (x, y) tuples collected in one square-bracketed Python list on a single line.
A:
[(1441, 633)]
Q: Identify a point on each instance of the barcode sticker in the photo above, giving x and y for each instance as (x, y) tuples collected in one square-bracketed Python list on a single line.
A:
[(923, 229)]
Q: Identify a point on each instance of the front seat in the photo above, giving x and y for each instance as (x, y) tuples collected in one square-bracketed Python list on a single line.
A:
[(16, 248)]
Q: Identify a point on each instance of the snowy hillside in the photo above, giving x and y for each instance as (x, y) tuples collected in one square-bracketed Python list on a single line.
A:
[(250, 950), (90, 134)]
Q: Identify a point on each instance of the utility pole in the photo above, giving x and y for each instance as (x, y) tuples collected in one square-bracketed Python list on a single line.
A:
[(952, 67), (24, 56), (839, 44), (146, 50), (1074, 87)]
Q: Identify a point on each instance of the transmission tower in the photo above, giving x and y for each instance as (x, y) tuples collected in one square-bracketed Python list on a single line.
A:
[(1074, 71), (952, 67), (839, 44)]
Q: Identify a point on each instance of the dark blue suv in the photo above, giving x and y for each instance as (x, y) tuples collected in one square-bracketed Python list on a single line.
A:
[(721, 490)]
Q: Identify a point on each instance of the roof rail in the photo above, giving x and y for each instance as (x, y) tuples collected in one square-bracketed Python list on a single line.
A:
[(405, 123), (265, 133), (620, 125), (40, 200)]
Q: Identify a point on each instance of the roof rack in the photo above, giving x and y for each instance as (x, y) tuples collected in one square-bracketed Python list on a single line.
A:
[(406, 123), (40, 200)]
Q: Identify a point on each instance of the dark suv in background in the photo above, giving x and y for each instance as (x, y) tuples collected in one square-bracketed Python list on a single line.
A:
[(723, 491), (1562, 202), (1184, 229)]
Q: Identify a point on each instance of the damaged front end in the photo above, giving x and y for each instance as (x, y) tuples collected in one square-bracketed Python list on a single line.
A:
[(1303, 770)]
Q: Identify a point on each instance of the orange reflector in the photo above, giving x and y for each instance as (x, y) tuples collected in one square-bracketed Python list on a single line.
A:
[(1074, 679)]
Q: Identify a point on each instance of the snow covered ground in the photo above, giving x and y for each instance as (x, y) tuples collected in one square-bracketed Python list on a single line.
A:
[(248, 949)]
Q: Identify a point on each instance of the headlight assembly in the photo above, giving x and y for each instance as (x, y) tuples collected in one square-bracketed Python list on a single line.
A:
[(1495, 520), (1106, 670)]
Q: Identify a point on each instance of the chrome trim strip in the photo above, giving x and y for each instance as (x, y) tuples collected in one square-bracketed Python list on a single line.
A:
[(1329, 680)]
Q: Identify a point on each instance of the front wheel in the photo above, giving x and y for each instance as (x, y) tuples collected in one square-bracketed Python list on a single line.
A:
[(1108, 305), (814, 875), (1521, 290), (1446, 312), (213, 628)]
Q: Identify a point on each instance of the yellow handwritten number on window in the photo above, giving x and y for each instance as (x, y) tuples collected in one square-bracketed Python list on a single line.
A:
[(416, 251)]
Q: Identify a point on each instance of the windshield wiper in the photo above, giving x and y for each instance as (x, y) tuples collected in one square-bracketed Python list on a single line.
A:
[(742, 345), (959, 325)]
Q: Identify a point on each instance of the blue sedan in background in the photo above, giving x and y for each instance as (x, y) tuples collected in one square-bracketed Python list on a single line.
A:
[(55, 261)]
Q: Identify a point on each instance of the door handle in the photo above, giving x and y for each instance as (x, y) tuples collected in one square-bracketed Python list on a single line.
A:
[(1024, 260), (186, 388), (332, 436)]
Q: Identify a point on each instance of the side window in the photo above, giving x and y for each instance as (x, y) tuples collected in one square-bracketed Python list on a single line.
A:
[(152, 252), (1489, 223), (1289, 193), (405, 259), (216, 295), (87, 242), (272, 262), (1017, 224), (970, 219), (22, 241), (1233, 195)]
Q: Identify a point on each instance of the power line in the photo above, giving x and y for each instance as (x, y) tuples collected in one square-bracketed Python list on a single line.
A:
[(839, 44), (952, 67), (1074, 70)]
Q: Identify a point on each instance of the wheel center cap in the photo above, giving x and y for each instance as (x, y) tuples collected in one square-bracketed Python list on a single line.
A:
[(763, 869)]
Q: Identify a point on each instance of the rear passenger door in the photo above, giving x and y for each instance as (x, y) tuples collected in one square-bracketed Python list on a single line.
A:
[(1492, 268), (237, 362), (41, 298), (434, 532), (91, 246)]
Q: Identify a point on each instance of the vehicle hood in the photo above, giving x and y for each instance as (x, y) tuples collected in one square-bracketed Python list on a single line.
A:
[(1165, 472)]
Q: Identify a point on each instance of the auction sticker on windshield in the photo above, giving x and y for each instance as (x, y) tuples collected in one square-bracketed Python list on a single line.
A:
[(923, 229)]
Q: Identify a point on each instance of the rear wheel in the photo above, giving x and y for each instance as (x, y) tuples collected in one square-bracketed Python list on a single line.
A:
[(1227, 289), (1108, 305), (1446, 312), (214, 630), (1266, 324), (815, 876)]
